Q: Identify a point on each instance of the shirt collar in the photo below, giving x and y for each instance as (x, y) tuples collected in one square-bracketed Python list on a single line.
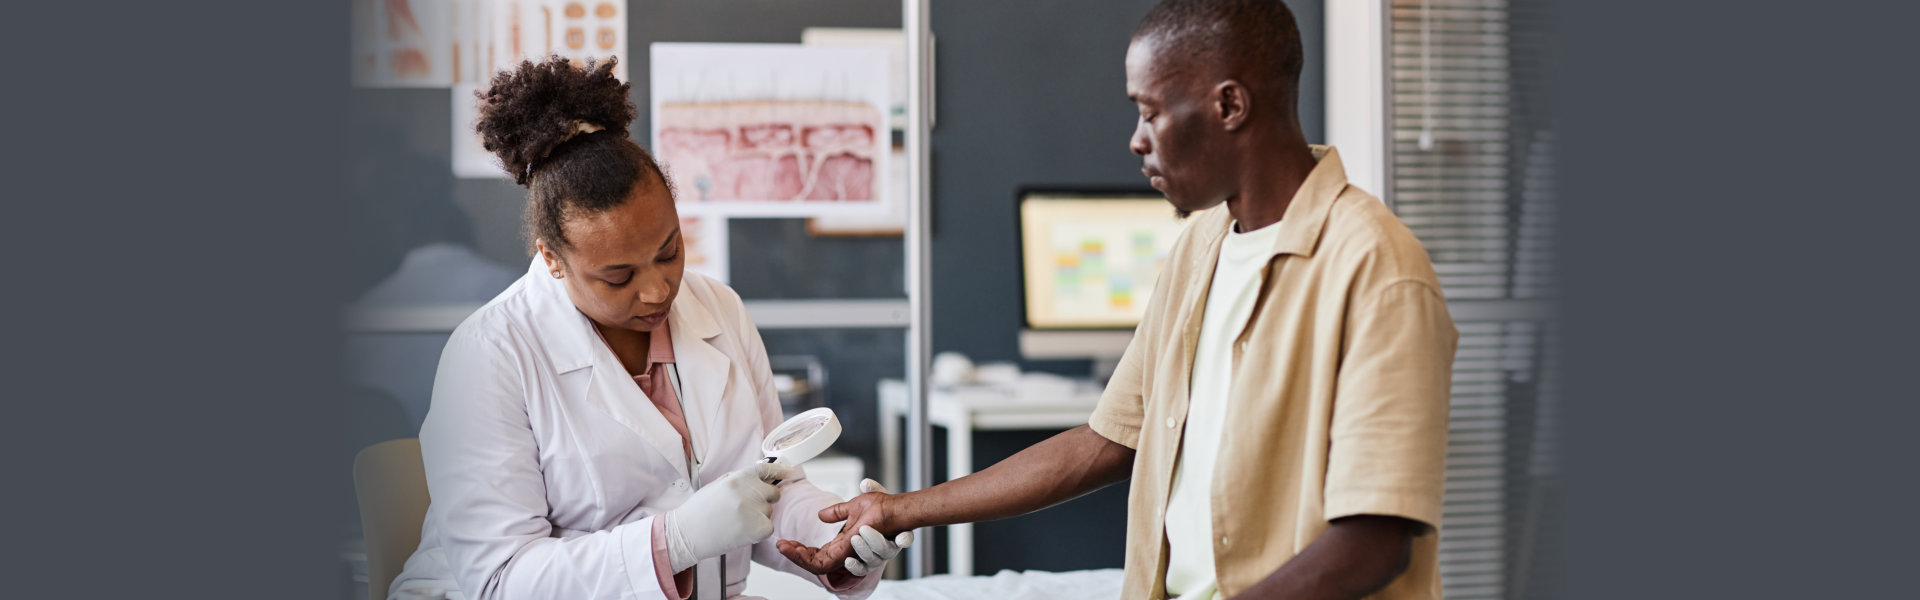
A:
[(660, 345), (1306, 215)]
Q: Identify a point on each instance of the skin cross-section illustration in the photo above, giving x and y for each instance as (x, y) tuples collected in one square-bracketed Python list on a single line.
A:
[(771, 150)]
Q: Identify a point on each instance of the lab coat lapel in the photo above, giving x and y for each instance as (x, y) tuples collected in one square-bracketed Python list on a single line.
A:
[(706, 373), (615, 392), (571, 343)]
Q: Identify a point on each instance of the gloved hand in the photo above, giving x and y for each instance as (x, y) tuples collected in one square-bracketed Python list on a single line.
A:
[(733, 511), (871, 550)]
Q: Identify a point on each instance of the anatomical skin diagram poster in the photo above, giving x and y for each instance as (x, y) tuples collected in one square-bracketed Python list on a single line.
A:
[(772, 130)]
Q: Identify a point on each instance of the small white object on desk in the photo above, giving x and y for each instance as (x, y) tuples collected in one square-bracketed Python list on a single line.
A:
[(1035, 401), (952, 368), (1000, 374)]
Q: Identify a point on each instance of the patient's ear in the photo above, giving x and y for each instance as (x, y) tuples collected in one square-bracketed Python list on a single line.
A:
[(1232, 104)]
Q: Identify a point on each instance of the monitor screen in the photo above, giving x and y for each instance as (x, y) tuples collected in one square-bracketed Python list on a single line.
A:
[(1090, 259)]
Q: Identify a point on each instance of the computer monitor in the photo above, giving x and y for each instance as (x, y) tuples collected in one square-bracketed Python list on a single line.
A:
[(1089, 260)]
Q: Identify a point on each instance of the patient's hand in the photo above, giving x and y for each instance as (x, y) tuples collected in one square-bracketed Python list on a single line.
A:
[(873, 509)]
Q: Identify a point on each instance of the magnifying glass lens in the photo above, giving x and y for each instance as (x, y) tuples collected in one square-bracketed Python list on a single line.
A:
[(802, 437), (798, 432)]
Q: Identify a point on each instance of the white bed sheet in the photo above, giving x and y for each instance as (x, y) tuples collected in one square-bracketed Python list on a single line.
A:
[(1101, 584)]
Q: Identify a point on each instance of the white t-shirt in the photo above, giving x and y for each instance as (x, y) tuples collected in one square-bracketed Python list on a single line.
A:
[(1236, 284)]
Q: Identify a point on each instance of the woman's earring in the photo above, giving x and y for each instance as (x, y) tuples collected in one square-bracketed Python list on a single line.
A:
[(556, 275)]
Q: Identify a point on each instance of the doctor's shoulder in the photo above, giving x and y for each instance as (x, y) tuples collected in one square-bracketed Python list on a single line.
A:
[(718, 298), (500, 326), (720, 301)]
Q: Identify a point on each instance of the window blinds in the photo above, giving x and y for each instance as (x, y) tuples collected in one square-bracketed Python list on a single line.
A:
[(1470, 172)]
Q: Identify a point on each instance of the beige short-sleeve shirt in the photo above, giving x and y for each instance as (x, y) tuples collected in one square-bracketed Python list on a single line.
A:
[(1338, 404)]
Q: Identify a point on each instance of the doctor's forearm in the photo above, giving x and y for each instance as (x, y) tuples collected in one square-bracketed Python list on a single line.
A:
[(1061, 468)]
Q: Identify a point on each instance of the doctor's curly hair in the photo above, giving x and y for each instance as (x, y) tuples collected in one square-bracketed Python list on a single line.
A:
[(560, 129)]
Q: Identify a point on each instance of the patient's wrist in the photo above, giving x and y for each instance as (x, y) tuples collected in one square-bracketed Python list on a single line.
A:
[(905, 512)]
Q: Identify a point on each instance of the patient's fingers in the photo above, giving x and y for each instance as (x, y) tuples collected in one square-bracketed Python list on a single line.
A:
[(816, 560), (835, 513), (793, 550), (800, 554)]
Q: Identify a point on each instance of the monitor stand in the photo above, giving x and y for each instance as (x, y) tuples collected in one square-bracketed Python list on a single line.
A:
[(1103, 346)]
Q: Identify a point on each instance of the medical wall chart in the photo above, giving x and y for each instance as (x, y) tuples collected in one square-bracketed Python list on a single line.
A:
[(772, 130), (891, 222), (490, 36), (892, 40), (401, 43), (591, 30), (704, 239)]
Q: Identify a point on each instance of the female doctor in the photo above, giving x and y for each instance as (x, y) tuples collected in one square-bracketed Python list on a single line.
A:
[(595, 429)]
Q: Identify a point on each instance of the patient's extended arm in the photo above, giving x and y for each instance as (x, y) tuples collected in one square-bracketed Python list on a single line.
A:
[(1061, 468)]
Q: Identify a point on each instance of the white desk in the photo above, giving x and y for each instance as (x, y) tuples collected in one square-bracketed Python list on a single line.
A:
[(966, 409)]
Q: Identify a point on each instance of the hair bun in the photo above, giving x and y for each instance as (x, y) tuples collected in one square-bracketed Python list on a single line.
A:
[(528, 111)]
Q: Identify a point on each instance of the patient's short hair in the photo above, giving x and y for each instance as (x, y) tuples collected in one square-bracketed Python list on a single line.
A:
[(1253, 41)]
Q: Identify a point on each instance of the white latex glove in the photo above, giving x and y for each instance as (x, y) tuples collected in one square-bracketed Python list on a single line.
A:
[(871, 551), (733, 511)]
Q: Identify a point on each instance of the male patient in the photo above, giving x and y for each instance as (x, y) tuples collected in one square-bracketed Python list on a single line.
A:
[(1282, 409)]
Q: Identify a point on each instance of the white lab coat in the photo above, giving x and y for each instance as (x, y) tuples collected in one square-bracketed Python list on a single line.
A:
[(547, 465)]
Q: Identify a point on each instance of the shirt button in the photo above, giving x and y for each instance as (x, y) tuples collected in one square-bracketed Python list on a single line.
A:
[(1170, 423)]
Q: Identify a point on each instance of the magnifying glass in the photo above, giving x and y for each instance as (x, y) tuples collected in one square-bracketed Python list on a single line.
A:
[(802, 437)]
